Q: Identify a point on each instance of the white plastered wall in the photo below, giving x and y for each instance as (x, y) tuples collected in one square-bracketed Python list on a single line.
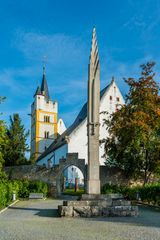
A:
[(42, 104), (78, 138), (54, 156), (61, 126)]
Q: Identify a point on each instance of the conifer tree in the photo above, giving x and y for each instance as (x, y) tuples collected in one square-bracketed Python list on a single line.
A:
[(16, 147), (134, 142)]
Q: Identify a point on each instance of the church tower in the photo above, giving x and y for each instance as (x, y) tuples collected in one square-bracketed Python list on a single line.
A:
[(44, 120)]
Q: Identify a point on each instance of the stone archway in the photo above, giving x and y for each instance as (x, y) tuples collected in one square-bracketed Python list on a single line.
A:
[(50, 176), (64, 163)]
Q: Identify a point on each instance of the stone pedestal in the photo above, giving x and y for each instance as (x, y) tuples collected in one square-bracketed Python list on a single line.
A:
[(93, 187), (98, 206)]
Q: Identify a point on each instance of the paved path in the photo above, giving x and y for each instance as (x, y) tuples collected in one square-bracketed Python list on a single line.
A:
[(37, 220)]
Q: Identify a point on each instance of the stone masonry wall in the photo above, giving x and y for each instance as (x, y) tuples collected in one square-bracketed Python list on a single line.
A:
[(112, 175), (35, 172)]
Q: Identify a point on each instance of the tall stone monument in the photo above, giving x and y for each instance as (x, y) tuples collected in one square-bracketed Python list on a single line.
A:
[(94, 204), (93, 182)]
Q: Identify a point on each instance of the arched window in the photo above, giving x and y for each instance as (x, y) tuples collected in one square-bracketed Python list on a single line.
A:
[(46, 134), (47, 119)]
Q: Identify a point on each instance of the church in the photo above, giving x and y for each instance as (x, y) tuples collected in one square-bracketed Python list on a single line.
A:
[(51, 141)]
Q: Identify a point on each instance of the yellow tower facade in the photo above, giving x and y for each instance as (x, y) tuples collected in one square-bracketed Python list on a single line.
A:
[(44, 119)]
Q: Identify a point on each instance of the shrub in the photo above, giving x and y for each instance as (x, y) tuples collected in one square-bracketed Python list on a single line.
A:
[(109, 188), (26, 187), (3, 194), (39, 187), (21, 188), (149, 193)]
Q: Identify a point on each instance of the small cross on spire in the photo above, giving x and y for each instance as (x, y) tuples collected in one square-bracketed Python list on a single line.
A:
[(44, 64)]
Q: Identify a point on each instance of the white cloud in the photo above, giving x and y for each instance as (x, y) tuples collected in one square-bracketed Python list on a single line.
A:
[(58, 48), (145, 18)]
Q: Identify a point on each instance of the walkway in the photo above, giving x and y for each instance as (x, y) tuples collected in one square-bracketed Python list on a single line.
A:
[(37, 220)]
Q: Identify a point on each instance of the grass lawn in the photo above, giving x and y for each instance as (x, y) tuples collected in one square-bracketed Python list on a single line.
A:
[(73, 193)]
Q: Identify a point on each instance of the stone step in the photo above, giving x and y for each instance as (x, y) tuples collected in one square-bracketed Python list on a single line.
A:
[(120, 211), (95, 211), (102, 196), (121, 202), (82, 203)]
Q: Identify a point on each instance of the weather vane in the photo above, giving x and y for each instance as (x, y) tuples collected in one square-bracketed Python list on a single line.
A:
[(44, 62)]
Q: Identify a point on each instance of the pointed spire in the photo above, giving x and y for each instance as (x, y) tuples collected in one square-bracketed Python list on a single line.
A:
[(44, 86), (112, 79), (93, 80), (94, 57), (38, 91)]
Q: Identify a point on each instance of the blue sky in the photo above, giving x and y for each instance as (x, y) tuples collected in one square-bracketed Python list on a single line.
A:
[(128, 33)]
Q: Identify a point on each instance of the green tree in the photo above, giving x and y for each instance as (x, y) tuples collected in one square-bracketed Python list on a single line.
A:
[(16, 147), (3, 142), (134, 142)]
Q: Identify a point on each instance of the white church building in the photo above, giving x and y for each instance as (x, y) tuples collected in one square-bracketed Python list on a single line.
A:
[(74, 138)]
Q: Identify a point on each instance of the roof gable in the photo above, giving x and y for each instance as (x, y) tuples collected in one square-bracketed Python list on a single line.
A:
[(61, 139)]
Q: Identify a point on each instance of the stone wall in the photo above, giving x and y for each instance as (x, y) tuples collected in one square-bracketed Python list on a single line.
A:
[(112, 175), (52, 176), (31, 172)]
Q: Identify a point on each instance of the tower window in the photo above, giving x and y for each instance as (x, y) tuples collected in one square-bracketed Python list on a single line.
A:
[(47, 119), (46, 134), (117, 99), (110, 97)]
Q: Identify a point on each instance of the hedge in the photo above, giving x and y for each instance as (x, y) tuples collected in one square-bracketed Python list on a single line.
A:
[(150, 193), (21, 188)]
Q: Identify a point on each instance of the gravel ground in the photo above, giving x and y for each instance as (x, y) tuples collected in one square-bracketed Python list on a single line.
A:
[(37, 220)]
